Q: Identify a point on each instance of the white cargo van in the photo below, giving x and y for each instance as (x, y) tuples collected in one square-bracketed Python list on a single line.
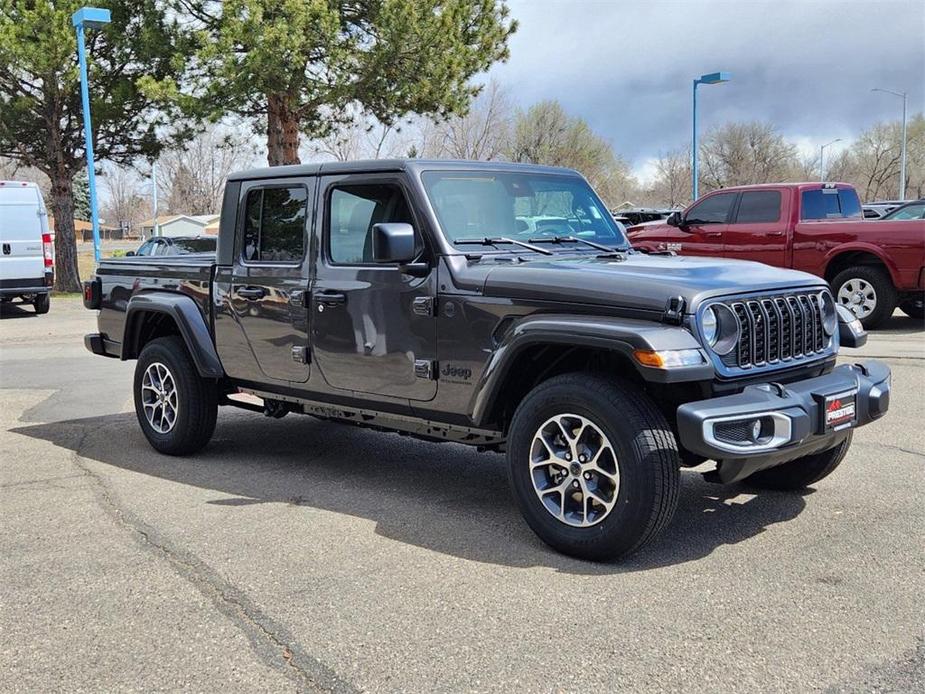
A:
[(27, 261)]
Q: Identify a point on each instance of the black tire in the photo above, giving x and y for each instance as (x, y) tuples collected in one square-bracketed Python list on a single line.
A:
[(884, 291), (41, 303), (197, 398), (646, 455), (913, 308), (802, 472)]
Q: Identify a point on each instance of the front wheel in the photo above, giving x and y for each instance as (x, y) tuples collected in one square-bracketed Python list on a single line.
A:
[(802, 472), (175, 406), (593, 466), (868, 292)]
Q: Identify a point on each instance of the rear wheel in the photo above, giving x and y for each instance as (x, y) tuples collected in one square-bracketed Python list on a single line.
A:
[(802, 472), (593, 465), (175, 406), (868, 292), (41, 303)]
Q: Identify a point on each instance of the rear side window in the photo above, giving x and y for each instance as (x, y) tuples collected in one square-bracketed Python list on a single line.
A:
[(759, 206), (713, 210), (274, 224), (830, 203), (908, 212)]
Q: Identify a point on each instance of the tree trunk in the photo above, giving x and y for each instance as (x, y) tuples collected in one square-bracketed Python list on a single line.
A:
[(282, 131), (67, 276)]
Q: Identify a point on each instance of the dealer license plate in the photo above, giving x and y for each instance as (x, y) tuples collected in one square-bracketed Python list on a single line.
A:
[(840, 410)]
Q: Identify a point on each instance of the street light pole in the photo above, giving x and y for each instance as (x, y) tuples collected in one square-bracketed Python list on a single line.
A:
[(712, 78), (92, 18), (155, 231), (902, 161), (822, 158)]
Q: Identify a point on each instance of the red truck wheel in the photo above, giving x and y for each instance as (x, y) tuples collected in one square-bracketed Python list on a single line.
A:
[(868, 292)]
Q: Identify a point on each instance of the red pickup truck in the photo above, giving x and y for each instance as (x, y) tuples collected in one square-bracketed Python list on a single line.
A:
[(872, 266)]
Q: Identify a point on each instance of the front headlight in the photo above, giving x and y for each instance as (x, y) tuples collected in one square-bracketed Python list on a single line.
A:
[(710, 326), (720, 328), (829, 316)]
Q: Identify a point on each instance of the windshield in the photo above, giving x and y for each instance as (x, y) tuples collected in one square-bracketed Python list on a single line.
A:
[(187, 246), (520, 206), (916, 211)]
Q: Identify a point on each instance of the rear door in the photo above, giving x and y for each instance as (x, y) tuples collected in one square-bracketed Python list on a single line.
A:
[(705, 225), (22, 223), (269, 280), (758, 228)]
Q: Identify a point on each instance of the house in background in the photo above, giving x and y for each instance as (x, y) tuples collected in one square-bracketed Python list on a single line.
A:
[(179, 225), (84, 230)]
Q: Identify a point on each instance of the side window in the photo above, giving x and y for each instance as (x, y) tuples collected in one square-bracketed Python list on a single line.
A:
[(759, 206), (145, 248), (910, 212), (274, 224), (713, 210), (353, 210)]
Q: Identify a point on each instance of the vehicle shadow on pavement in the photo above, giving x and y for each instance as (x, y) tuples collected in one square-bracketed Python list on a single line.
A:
[(10, 310), (900, 324), (443, 497)]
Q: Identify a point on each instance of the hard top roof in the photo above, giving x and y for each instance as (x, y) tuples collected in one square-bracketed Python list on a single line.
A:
[(386, 165)]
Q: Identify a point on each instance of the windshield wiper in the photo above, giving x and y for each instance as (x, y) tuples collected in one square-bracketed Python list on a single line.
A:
[(489, 241), (575, 239)]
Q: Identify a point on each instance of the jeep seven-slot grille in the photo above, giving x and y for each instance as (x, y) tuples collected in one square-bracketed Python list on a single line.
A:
[(775, 329)]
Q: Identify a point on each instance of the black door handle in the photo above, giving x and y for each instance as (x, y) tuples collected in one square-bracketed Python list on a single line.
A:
[(330, 298), (252, 292)]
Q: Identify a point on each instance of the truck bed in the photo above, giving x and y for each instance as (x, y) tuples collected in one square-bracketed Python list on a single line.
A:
[(122, 278)]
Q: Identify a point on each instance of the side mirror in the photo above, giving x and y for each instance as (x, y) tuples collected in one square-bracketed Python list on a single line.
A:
[(675, 220), (129, 253), (393, 242), (850, 331)]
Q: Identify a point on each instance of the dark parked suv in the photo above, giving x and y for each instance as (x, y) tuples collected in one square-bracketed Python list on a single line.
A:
[(435, 299)]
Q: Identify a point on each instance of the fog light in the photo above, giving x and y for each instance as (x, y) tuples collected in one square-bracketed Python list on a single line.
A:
[(762, 430)]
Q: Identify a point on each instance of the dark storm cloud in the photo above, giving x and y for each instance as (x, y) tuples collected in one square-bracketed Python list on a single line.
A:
[(808, 67)]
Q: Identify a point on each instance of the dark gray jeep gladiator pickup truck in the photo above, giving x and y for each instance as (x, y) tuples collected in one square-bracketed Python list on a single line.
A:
[(501, 306)]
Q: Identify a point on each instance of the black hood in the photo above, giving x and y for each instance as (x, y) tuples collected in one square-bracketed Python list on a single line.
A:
[(638, 281)]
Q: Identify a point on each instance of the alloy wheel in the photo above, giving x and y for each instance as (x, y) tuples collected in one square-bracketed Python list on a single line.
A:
[(159, 397), (574, 470)]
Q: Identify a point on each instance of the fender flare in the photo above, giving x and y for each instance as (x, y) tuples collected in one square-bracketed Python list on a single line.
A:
[(622, 335), (861, 247), (186, 314)]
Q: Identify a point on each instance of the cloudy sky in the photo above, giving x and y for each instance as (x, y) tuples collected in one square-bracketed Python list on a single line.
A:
[(807, 66)]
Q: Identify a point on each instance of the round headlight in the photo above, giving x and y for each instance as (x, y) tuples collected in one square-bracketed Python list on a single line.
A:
[(829, 316), (720, 328), (709, 324)]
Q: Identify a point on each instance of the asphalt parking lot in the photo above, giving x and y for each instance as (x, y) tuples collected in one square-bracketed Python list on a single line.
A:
[(294, 555)]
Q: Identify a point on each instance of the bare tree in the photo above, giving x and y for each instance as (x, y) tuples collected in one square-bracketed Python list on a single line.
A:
[(482, 133), (125, 204), (192, 179), (742, 153), (15, 170), (546, 134), (672, 185), (363, 138)]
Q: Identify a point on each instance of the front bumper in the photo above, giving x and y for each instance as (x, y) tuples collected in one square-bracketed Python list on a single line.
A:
[(793, 418)]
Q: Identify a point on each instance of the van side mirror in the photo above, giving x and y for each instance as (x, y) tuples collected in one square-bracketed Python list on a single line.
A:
[(129, 253), (675, 220), (393, 242)]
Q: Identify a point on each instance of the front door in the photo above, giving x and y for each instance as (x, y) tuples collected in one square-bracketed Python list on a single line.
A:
[(267, 292), (758, 231), (373, 329), (705, 225)]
